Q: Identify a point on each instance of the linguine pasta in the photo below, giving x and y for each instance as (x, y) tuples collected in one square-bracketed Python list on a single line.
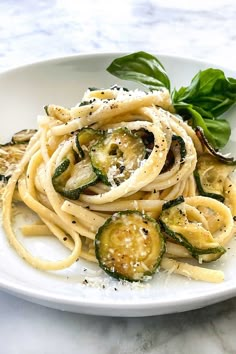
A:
[(152, 183)]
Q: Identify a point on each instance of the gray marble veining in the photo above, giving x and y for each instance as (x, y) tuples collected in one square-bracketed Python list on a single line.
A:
[(208, 330), (32, 31), (36, 30)]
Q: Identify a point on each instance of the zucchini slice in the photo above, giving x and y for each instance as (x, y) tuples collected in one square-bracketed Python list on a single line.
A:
[(71, 179), (192, 235), (10, 156), (11, 153), (210, 175), (209, 148), (146, 136), (177, 146), (178, 141), (87, 137), (23, 136), (129, 246), (116, 156)]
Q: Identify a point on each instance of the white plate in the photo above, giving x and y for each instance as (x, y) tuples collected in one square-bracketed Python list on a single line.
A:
[(23, 93)]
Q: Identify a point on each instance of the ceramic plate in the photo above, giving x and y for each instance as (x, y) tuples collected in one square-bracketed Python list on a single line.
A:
[(23, 93)]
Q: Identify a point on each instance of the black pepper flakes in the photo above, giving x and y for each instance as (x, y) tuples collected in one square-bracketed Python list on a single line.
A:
[(122, 168), (145, 231)]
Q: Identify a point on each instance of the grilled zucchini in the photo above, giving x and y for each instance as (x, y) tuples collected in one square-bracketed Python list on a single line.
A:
[(70, 179), (11, 153), (210, 176), (87, 137), (129, 246), (117, 155), (192, 235)]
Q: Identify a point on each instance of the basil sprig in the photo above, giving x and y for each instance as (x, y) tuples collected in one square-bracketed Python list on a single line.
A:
[(208, 96)]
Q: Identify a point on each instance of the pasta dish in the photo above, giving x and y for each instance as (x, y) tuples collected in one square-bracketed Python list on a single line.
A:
[(122, 180)]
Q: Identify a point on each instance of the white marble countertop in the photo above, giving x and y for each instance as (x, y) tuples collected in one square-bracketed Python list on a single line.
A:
[(37, 30)]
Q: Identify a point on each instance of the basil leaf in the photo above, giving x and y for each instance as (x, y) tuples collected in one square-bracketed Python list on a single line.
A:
[(220, 130), (141, 67), (217, 131), (189, 113), (210, 91)]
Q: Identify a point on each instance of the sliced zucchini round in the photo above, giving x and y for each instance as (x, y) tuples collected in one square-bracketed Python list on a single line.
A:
[(85, 138), (192, 235), (177, 148), (23, 136), (71, 179), (129, 246), (12, 152), (210, 175), (226, 159), (146, 136), (10, 155), (116, 156), (179, 141)]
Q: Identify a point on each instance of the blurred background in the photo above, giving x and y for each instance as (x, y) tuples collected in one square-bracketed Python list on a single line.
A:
[(36, 30)]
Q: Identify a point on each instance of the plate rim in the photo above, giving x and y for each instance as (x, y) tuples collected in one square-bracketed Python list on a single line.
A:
[(111, 53)]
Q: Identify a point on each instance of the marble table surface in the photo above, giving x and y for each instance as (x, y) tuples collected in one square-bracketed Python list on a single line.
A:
[(37, 30)]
